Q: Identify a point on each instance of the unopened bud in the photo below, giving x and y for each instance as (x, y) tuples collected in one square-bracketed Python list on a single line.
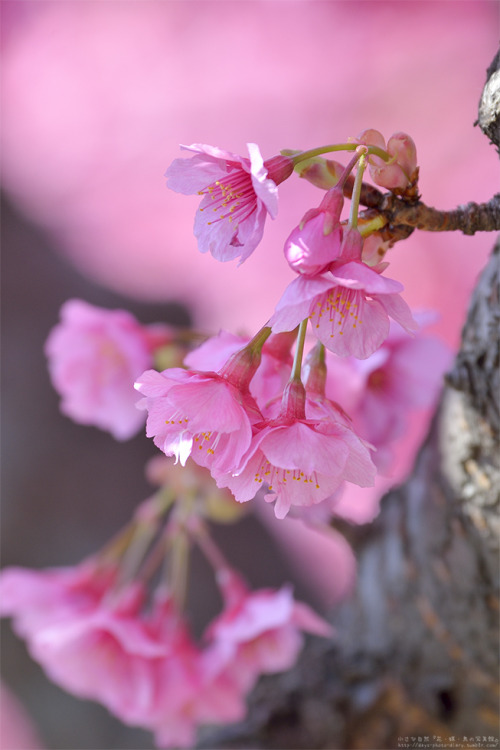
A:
[(322, 173), (403, 148), (371, 137)]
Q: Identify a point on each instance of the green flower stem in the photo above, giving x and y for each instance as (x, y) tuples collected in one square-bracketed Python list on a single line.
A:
[(358, 181), (303, 155), (260, 338), (299, 351)]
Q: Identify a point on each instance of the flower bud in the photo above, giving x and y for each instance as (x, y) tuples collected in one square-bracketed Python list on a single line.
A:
[(403, 148), (371, 137), (322, 173), (308, 250)]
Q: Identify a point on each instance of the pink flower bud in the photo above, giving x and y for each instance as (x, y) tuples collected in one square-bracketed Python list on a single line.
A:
[(371, 137), (389, 176), (397, 173), (308, 251), (403, 148)]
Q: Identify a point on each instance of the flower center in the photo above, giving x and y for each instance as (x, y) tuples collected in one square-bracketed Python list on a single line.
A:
[(275, 477), (207, 441), (343, 307), (232, 199)]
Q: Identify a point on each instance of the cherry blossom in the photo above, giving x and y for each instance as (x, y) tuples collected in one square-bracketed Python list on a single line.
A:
[(349, 308), (94, 356), (92, 645), (199, 414), (238, 193), (300, 461), (260, 631)]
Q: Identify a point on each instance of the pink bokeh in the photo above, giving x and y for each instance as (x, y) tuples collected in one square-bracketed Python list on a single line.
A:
[(97, 96)]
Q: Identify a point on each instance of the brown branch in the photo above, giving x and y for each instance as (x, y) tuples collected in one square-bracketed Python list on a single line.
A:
[(405, 215), (469, 219)]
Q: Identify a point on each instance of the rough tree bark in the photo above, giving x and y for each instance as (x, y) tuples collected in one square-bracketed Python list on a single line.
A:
[(416, 652)]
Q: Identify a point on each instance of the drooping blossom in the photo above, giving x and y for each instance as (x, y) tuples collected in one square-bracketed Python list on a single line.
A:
[(185, 693), (94, 356), (198, 414), (301, 461), (99, 643), (400, 172), (238, 193), (258, 632), (349, 308), (90, 644)]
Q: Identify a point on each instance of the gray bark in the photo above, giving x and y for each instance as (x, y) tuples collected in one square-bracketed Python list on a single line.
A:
[(416, 651)]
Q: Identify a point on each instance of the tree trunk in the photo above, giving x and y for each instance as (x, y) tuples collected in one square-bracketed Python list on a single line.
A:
[(416, 652)]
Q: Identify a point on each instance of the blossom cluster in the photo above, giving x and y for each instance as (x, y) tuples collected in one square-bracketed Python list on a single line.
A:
[(314, 401), (102, 630)]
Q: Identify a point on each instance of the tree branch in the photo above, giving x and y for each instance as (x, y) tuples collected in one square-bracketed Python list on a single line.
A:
[(403, 216)]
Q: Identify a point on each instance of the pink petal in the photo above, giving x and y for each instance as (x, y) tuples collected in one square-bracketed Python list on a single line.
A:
[(347, 324), (265, 189), (398, 310), (360, 276), (297, 301)]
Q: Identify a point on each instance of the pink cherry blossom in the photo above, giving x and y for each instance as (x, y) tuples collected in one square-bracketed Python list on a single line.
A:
[(91, 643), (187, 690), (199, 414), (349, 308), (238, 194), (259, 632), (94, 356), (300, 461)]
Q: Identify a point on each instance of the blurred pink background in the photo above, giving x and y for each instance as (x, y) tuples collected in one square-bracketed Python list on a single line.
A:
[(96, 98)]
